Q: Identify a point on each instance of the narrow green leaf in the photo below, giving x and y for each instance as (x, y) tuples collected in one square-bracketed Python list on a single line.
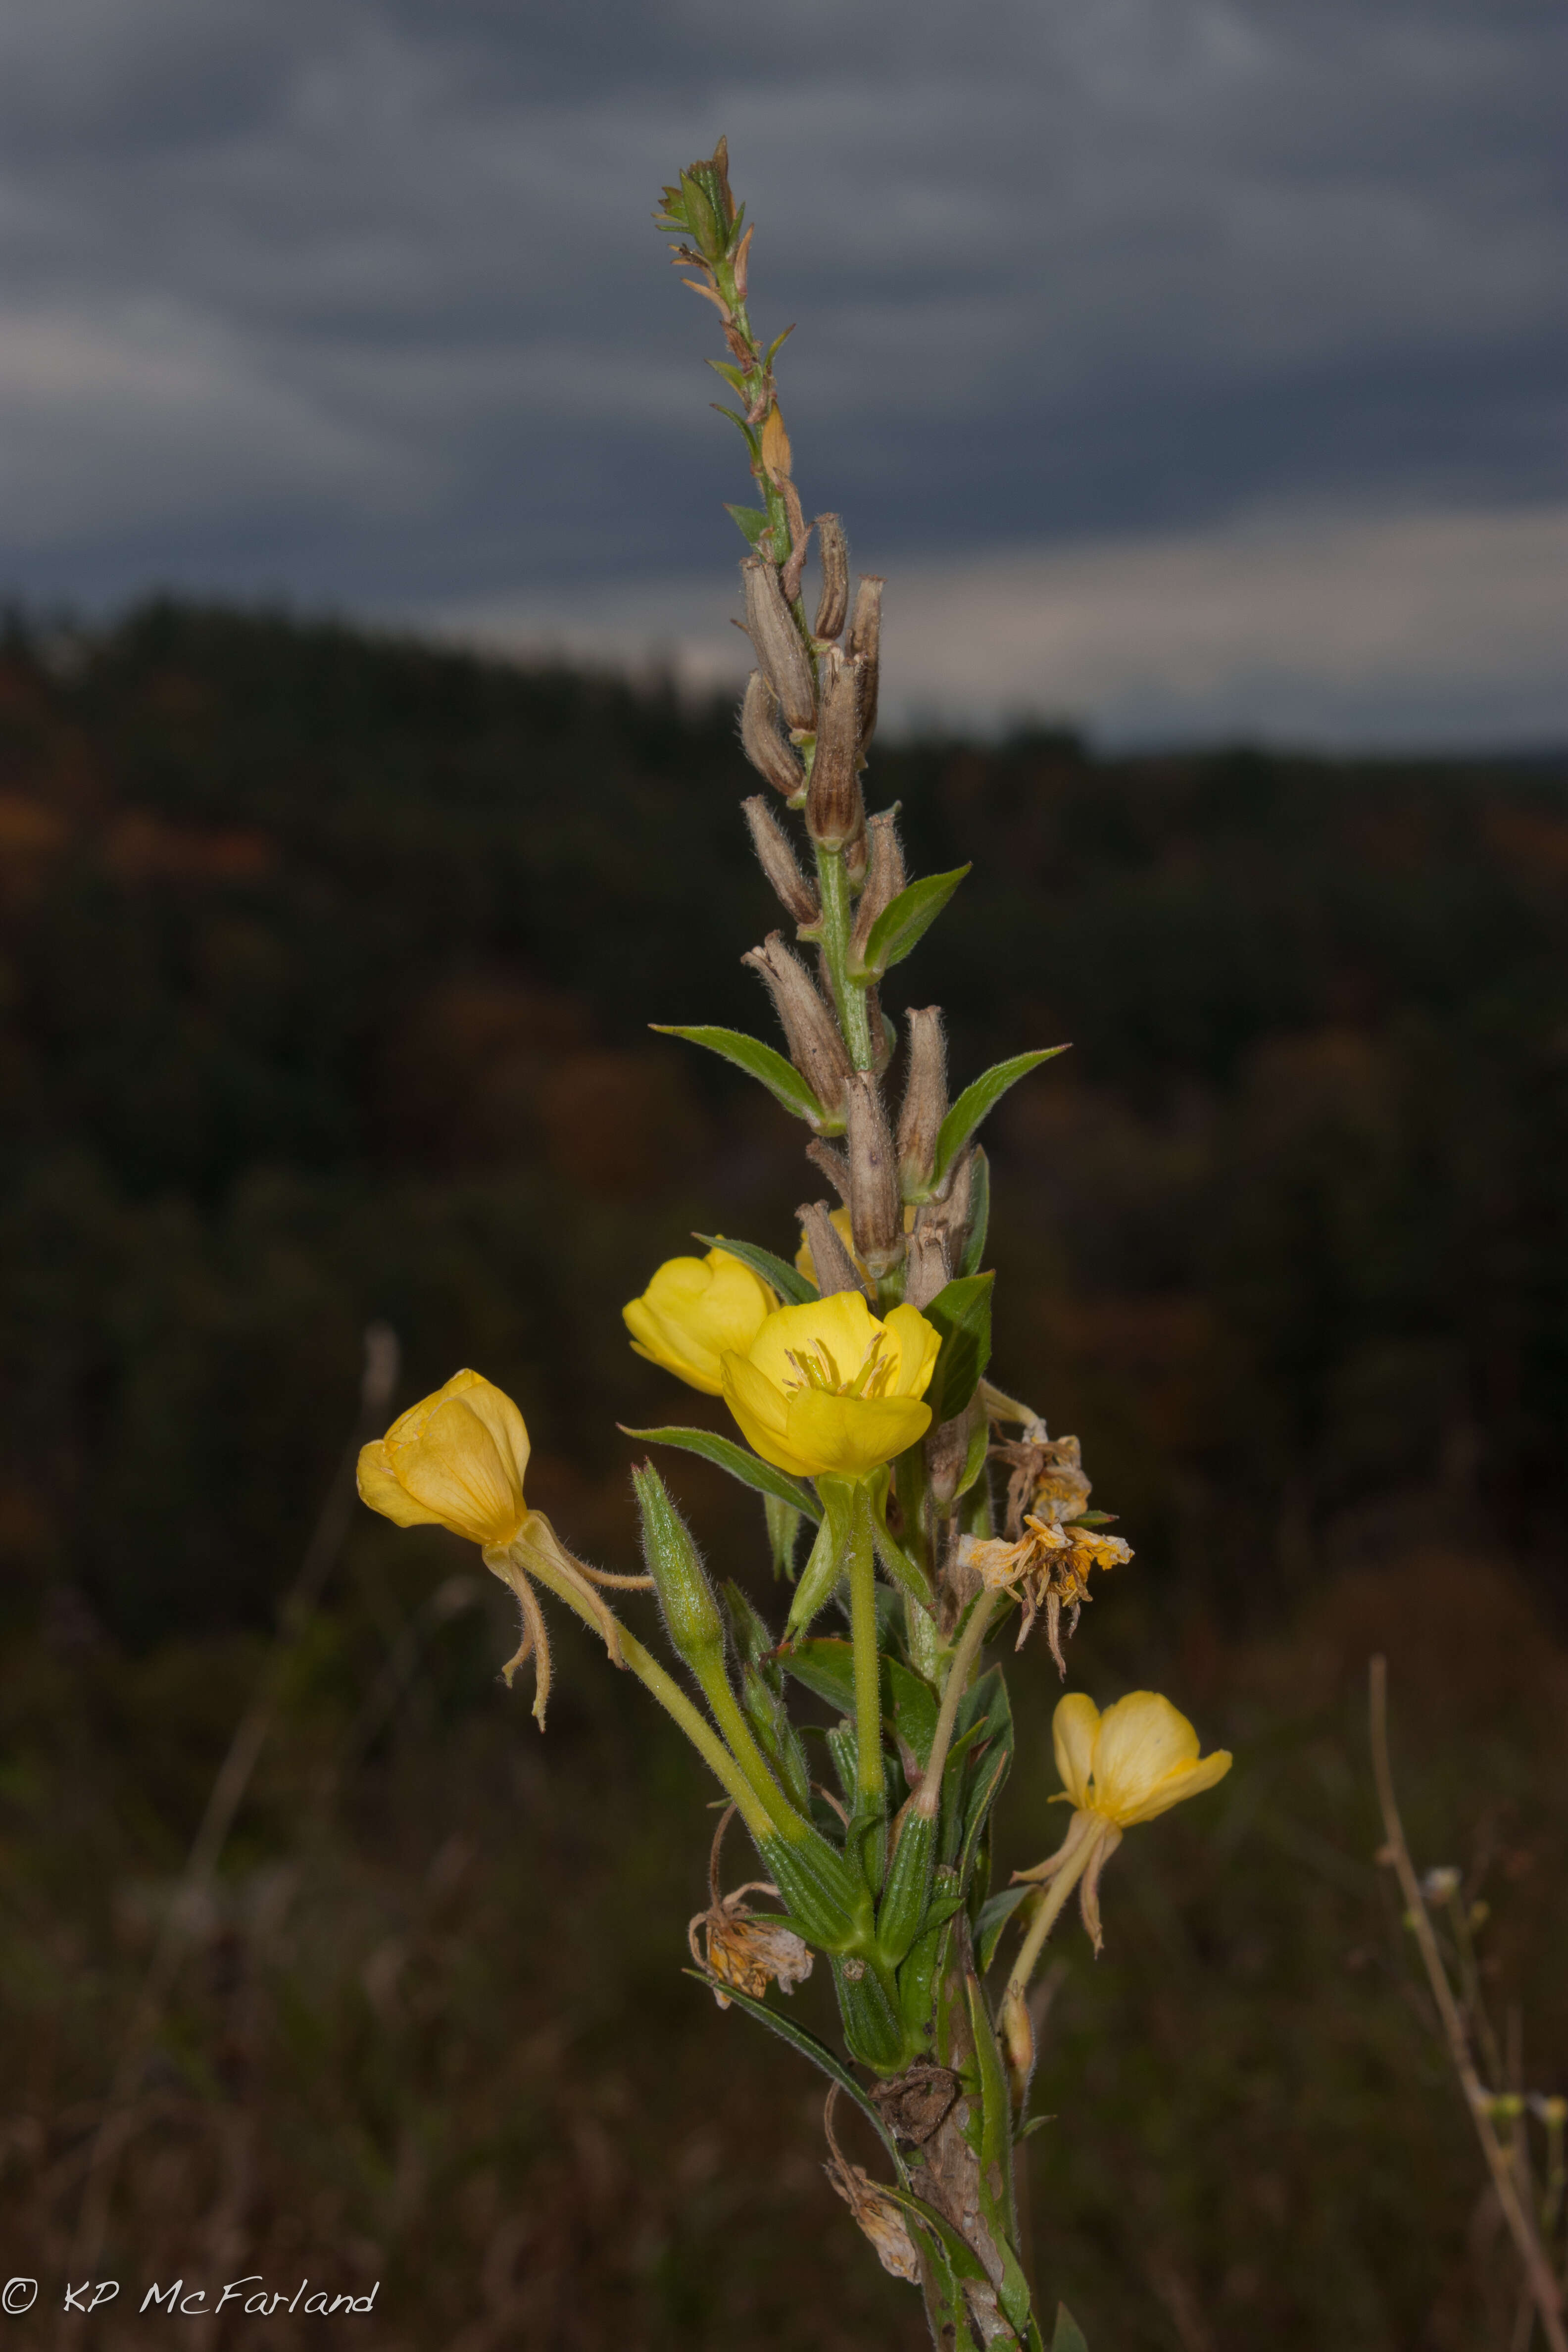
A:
[(994, 1914), (787, 1280), (820, 2055), (751, 1470), (904, 922), (827, 1667), (782, 1080), (904, 1571), (910, 1706), (960, 1311), (783, 1530), (1031, 2125), (965, 2262), (778, 340), (976, 1100), (1069, 2336), (973, 1252), (751, 522)]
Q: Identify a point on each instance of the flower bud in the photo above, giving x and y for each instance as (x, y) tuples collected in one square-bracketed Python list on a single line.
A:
[(928, 1271), (865, 640), (832, 1267), (810, 1031), (875, 1209), (834, 813), (834, 548), (884, 876), (691, 1615), (762, 743), (771, 627), (777, 860), (925, 1098)]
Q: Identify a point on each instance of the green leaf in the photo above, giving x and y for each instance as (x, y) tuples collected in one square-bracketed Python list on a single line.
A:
[(783, 1529), (733, 376), (787, 1280), (778, 340), (965, 2262), (904, 922), (979, 1448), (979, 1215), (1069, 2336), (960, 1311), (751, 521), (994, 1914), (827, 1667), (824, 1566), (818, 2053), (782, 1080), (904, 1571), (976, 1100), (1027, 2130), (910, 1706), (753, 1638), (751, 1470)]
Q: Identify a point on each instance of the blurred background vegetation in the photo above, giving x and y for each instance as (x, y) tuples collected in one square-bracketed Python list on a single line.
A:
[(327, 960)]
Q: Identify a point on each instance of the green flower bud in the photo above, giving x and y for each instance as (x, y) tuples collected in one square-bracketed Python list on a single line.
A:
[(691, 1613)]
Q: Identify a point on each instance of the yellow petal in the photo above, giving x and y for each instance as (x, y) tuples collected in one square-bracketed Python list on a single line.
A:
[(380, 1489), (845, 1437), (453, 1466), (843, 1326), (1186, 1780), (501, 1417), (694, 1310), (1073, 1729), (761, 1411), (917, 1343)]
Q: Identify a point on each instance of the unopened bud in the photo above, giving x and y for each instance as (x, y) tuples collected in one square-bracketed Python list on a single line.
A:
[(691, 1613), (928, 1270), (833, 551), (876, 1211), (762, 743), (771, 627), (866, 639), (833, 1164), (925, 1099), (1017, 2040), (814, 1045), (884, 875), (834, 813), (835, 1269), (777, 860)]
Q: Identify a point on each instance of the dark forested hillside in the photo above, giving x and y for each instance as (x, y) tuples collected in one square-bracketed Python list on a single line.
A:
[(328, 962)]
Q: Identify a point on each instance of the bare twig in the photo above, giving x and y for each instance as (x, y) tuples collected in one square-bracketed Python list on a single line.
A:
[(1544, 2288)]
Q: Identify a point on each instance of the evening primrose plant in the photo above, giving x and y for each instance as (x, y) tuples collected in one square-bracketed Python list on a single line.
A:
[(913, 1510)]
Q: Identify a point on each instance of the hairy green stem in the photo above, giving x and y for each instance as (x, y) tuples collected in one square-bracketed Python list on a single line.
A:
[(963, 1658), (869, 1779), (854, 1017), (1046, 1919), (737, 1731)]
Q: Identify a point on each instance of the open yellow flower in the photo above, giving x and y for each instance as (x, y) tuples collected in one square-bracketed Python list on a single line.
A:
[(1129, 1765), (693, 1311), (457, 1460), (454, 1460), (825, 1390)]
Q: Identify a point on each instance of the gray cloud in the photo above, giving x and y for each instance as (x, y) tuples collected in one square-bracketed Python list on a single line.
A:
[(363, 301)]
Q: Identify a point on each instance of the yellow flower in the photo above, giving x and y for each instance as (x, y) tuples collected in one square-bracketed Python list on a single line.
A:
[(455, 1460), (839, 1220), (825, 1390), (693, 1311), (1129, 1765), (1135, 1761)]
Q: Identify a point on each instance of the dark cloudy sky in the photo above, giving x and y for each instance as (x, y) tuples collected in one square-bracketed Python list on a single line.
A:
[(1190, 365)]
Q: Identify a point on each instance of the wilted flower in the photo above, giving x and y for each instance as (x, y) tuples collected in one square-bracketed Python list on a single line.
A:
[(1048, 1480), (456, 1460), (1129, 1765), (1048, 1568), (827, 1390), (693, 1311), (879, 2216), (744, 1948)]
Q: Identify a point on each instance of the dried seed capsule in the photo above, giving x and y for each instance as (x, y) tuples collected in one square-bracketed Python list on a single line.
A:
[(866, 639), (834, 813), (834, 550), (884, 875), (925, 1098), (772, 629), (875, 1209), (814, 1045), (777, 860), (762, 743)]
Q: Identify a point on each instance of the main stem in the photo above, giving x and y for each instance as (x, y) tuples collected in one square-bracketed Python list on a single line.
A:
[(854, 1015), (869, 1785)]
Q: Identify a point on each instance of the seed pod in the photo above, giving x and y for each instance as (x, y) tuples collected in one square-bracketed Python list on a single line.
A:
[(814, 1045), (691, 1613), (822, 1892), (762, 743), (836, 1269), (872, 2026), (772, 629), (833, 1164), (777, 860), (874, 1208), (866, 639), (884, 875), (904, 1905), (928, 1270), (834, 550), (834, 813), (925, 1098)]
